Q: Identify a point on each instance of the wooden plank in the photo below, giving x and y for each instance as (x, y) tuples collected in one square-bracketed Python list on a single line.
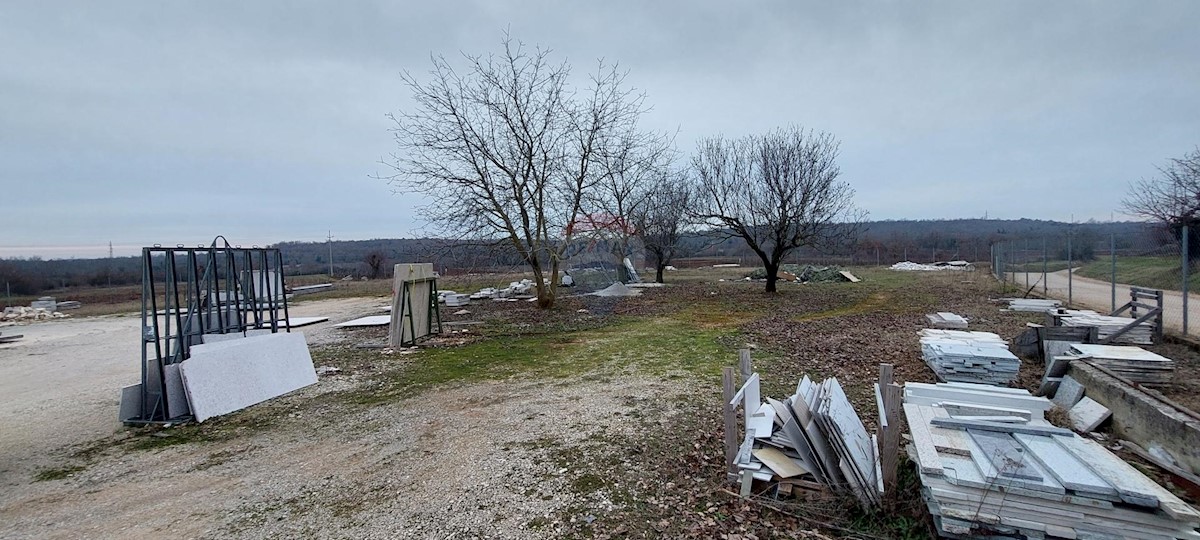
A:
[(744, 366), (783, 466), (748, 394), (730, 419), (799, 441), (889, 443), (878, 468), (997, 426)]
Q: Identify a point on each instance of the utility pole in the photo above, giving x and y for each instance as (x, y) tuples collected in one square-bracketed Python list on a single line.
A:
[(329, 240), (110, 263)]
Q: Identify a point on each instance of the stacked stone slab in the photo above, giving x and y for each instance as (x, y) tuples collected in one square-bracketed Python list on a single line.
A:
[(1016, 476), (970, 357), (1142, 334)]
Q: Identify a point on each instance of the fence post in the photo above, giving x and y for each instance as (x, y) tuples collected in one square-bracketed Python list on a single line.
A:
[(1185, 279), (1012, 258), (1070, 272), (730, 420), (1045, 287), (1025, 262), (1112, 251), (992, 255)]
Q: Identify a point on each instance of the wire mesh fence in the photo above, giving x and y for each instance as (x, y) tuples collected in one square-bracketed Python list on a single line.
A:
[(1094, 271)]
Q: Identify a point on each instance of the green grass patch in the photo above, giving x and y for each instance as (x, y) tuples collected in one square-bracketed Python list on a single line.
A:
[(657, 346), (1152, 272), (1036, 267), (57, 473)]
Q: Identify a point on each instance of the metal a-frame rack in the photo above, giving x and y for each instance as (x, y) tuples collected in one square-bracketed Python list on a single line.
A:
[(414, 304), (408, 317), (190, 292)]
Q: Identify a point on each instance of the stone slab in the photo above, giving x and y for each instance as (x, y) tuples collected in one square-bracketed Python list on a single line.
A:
[(1119, 352), (297, 322), (1088, 414), (373, 320), (1064, 466), (983, 425), (209, 339), (177, 403), (1069, 393), (1005, 454), (131, 402), (225, 377)]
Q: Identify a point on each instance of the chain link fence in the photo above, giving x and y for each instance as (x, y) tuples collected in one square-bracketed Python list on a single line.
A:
[(1096, 271)]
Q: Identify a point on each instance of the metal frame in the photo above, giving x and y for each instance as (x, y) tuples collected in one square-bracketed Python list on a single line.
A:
[(434, 312), (189, 292)]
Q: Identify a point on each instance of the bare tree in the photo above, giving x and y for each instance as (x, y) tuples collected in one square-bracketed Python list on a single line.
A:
[(662, 219), (777, 191), (1172, 198), (508, 151), (374, 261), (631, 168)]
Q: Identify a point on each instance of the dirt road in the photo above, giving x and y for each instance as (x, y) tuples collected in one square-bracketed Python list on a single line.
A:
[(1097, 295)]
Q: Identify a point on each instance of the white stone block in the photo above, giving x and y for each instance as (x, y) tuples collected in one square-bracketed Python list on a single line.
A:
[(228, 376)]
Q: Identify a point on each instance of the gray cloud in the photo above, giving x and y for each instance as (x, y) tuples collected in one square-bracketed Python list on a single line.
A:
[(144, 123)]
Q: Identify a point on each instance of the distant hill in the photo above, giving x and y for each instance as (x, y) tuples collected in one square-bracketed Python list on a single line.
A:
[(884, 242)]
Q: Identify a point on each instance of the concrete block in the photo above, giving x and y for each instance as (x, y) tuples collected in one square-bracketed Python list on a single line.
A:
[(1139, 416), (1087, 415), (228, 376), (1069, 393)]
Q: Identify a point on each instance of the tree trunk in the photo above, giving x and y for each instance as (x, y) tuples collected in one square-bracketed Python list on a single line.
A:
[(658, 272), (545, 290), (547, 301), (772, 276)]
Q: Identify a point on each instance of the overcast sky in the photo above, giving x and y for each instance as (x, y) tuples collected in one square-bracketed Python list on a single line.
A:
[(170, 122)]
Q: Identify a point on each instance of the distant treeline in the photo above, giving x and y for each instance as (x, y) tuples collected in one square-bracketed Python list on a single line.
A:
[(883, 242)]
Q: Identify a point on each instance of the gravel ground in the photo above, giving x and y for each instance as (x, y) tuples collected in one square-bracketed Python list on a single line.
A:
[(467, 460)]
